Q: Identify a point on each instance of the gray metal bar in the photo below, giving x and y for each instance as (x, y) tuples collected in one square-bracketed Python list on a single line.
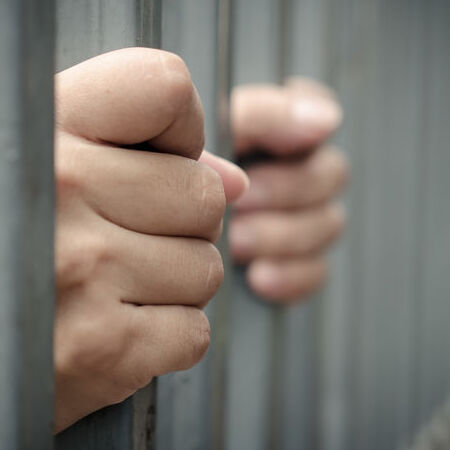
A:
[(305, 54), (280, 344), (26, 233), (190, 403), (254, 325), (220, 344), (149, 23), (433, 361)]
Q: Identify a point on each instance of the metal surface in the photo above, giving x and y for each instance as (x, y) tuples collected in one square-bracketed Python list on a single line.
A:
[(26, 231), (253, 323), (221, 322)]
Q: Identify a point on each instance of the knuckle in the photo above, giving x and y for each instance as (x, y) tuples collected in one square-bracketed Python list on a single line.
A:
[(279, 240), (215, 235), (145, 61), (215, 271), (80, 260), (91, 345), (211, 198), (339, 167), (67, 180), (181, 87), (325, 175), (337, 219), (210, 273), (67, 173), (199, 337), (183, 98), (175, 63), (179, 84)]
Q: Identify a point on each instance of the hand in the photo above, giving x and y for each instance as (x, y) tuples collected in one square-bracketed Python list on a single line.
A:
[(289, 217), (135, 260)]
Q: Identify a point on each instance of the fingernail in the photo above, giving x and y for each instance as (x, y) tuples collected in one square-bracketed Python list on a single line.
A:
[(317, 112), (264, 276)]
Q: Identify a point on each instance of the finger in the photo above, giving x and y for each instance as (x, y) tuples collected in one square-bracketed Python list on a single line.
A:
[(284, 234), (286, 281), (152, 193), (235, 180), (287, 185), (164, 270), (131, 96), (280, 121), (164, 339), (309, 87)]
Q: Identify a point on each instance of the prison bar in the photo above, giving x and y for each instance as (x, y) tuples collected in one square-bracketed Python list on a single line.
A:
[(26, 231)]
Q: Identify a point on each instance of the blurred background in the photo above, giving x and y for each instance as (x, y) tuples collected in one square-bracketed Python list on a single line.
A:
[(366, 364)]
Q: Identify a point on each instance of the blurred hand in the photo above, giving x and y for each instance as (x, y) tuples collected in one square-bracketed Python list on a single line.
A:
[(289, 217), (135, 259)]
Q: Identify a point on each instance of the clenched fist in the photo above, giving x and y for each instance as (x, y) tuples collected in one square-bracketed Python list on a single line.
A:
[(137, 216), (289, 216)]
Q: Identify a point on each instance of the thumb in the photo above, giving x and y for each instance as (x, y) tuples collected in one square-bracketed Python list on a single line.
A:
[(235, 180), (282, 121)]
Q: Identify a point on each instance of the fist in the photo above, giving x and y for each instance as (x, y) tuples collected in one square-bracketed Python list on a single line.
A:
[(285, 222), (135, 254)]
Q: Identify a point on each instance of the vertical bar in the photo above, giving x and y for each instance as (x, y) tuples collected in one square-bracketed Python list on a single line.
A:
[(253, 325), (305, 54), (149, 16), (279, 315), (190, 403), (26, 233), (387, 77), (149, 22), (224, 46), (433, 361)]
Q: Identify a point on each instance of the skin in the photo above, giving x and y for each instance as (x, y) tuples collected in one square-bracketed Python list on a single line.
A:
[(289, 217), (135, 259)]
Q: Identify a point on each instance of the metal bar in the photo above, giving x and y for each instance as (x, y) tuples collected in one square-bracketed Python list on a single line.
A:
[(224, 70), (301, 26), (149, 21), (186, 398), (433, 311), (278, 353), (26, 234), (252, 321)]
